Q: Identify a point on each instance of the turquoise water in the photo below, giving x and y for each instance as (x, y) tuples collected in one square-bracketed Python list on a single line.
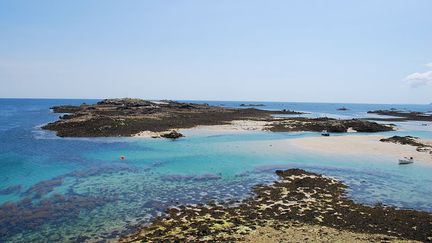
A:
[(57, 189)]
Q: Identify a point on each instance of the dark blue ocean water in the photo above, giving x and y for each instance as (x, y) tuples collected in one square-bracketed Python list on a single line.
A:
[(60, 189)]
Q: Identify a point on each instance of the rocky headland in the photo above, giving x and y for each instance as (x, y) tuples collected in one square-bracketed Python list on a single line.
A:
[(297, 200), (128, 117)]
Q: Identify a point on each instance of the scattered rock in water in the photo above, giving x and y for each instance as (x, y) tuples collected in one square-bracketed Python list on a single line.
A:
[(173, 135)]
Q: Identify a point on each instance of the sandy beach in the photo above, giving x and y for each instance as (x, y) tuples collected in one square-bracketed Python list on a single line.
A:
[(235, 126), (359, 145)]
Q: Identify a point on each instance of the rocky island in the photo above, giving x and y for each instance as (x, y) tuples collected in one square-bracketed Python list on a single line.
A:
[(127, 117)]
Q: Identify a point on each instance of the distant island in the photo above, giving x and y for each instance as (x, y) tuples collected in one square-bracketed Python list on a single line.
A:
[(401, 115), (128, 117), (342, 109), (252, 105)]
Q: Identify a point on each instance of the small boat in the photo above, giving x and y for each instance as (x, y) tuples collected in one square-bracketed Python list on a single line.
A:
[(406, 161), (325, 133), (343, 108)]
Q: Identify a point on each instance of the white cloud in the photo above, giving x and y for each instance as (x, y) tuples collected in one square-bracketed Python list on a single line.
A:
[(419, 79)]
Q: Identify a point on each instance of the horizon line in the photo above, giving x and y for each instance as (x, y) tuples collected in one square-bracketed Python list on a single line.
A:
[(211, 100)]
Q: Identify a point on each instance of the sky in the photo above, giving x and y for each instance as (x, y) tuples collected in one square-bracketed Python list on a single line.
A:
[(368, 51)]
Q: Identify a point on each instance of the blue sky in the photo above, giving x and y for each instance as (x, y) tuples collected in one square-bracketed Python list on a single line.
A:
[(365, 51)]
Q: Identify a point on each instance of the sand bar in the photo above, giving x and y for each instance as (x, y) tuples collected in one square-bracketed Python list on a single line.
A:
[(359, 145)]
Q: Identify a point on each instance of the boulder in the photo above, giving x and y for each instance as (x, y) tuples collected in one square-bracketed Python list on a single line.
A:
[(173, 135)]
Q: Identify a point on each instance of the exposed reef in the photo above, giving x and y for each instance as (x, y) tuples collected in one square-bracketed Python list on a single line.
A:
[(128, 117), (329, 124), (401, 115), (297, 197)]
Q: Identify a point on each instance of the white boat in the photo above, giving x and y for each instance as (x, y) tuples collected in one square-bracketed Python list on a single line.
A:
[(325, 133), (406, 161)]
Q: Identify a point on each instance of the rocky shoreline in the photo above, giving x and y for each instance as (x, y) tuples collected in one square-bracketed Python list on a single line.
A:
[(409, 140), (298, 124), (297, 199), (127, 117)]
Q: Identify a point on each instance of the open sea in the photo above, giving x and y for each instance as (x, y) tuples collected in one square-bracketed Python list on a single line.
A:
[(77, 189)]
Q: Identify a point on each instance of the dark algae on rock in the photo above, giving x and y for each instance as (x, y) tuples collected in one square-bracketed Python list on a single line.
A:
[(329, 124), (298, 196)]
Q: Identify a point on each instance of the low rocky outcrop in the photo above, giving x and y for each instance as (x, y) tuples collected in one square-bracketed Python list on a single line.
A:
[(297, 197), (329, 124), (409, 140)]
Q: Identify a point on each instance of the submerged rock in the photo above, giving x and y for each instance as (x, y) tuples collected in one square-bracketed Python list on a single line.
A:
[(10, 190)]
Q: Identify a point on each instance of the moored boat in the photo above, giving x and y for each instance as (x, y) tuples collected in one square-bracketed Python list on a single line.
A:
[(406, 161), (325, 133)]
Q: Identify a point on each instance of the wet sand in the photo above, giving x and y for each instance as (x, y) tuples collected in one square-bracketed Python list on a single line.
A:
[(357, 145)]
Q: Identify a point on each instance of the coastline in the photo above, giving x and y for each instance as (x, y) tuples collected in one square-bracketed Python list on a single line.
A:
[(236, 126), (309, 205)]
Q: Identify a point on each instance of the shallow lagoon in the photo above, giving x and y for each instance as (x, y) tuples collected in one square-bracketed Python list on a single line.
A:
[(158, 173)]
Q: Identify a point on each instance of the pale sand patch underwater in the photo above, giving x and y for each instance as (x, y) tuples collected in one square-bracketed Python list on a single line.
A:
[(357, 145)]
